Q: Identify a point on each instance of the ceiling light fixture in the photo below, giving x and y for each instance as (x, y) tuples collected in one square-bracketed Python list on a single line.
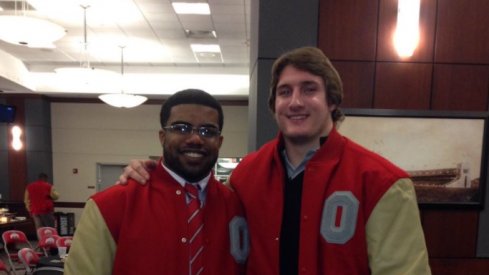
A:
[(20, 29), (123, 100), (201, 34), (208, 48), (207, 53), (406, 35), (191, 8), (89, 76)]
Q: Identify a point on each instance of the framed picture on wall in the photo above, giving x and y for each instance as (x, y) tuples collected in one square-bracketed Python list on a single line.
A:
[(445, 153)]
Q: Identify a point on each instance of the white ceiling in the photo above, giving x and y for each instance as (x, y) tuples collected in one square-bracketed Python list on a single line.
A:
[(158, 59)]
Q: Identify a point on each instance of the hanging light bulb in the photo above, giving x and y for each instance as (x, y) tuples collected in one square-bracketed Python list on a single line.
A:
[(29, 31), (122, 99), (89, 77), (406, 36)]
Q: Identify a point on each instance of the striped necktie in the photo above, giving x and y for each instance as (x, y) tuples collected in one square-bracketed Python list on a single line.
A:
[(195, 226)]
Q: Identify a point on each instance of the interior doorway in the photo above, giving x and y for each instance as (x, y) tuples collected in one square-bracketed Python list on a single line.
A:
[(108, 174)]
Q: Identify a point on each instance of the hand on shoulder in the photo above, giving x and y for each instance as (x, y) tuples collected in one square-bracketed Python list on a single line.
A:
[(138, 170)]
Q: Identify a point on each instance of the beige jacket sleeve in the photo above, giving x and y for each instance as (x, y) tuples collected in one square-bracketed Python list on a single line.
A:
[(27, 201), (93, 248), (395, 238), (54, 194)]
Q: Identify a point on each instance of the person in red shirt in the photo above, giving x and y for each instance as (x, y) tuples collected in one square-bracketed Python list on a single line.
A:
[(39, 200)]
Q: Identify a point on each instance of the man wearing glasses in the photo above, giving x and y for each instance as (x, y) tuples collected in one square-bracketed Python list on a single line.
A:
[(183, 222), (315, 201)]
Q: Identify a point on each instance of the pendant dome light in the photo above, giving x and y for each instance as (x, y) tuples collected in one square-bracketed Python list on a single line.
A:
[(20, 29), (123, 100)]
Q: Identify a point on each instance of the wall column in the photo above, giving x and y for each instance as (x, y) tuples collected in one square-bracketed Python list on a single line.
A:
[(33, 115), (276, 27)]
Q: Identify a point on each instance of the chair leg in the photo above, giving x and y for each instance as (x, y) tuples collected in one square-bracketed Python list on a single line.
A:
[(12, 266)]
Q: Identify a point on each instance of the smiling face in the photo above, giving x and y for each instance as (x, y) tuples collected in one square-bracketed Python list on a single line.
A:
[(301, 108), (191, 156)]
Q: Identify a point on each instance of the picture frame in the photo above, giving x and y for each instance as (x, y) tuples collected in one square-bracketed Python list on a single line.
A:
[(445, 153)]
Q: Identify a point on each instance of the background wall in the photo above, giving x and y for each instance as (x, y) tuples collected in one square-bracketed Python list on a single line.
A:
[(85, 134), (4, 182), (20, 167), (449, 71)]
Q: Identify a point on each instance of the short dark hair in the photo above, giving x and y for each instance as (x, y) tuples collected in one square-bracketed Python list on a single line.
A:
[(312, 60), (42, 176), (190, 96)]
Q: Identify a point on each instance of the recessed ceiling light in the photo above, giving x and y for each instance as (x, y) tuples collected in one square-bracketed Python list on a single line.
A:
[(191, 8), (201, 34), (209, 48)]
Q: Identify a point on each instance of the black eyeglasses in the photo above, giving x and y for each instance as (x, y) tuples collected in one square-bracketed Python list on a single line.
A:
[(187, 129)]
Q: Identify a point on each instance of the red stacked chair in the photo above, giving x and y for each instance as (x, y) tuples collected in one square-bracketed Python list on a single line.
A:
[(3, 267), (29, 258), (48, 244), (46, 231), (47, 237), (64, 242), (13, 241)]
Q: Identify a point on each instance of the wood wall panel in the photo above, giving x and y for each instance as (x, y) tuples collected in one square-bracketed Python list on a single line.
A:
[(348, 29), (17, 173), (452, 32), (450, 233), (358, 83), (459, 266), (460, 87), (387, 26), (17, 162), (462, 34), (402, 86)]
